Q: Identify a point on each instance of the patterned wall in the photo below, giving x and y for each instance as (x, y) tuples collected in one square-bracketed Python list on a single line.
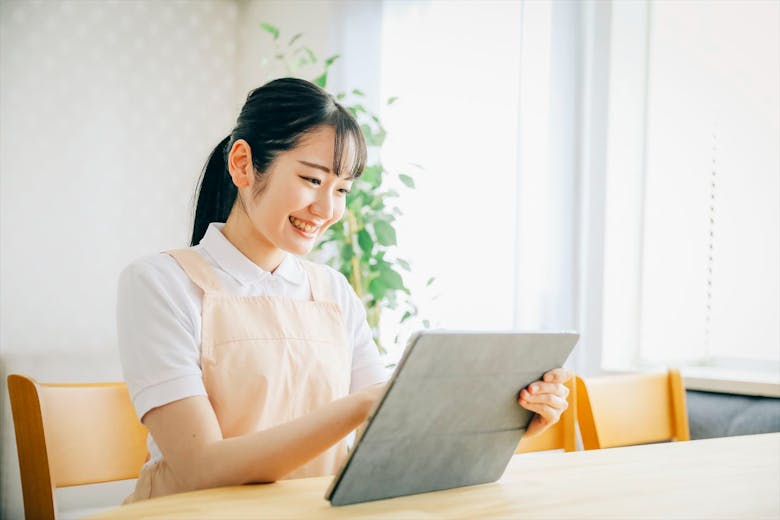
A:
[(108, 110)]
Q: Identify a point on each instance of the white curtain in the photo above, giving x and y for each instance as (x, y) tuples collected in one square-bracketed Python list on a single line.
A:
[(494, 101)]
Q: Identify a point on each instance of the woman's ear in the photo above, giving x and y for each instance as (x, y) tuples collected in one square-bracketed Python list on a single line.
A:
[(240, 164)]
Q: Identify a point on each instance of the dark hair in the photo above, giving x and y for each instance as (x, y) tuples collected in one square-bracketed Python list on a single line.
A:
[(274, 119)]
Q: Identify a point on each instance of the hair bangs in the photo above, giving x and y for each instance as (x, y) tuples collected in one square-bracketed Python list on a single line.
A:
[(349, 154)]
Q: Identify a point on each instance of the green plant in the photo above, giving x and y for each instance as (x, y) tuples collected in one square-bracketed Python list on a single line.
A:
[(360, 245)]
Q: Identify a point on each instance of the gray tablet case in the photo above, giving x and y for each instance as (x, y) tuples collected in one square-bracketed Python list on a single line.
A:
[(449, 416)]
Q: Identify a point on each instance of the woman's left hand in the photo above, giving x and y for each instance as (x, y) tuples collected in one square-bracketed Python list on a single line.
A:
[(547, 398)]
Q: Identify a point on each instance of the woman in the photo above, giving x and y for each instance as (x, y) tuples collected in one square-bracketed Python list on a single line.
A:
[(245, 362)]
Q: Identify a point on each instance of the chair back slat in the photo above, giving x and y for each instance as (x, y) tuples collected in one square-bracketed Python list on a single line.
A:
[(72, 434), (92, 433), (631, 409)]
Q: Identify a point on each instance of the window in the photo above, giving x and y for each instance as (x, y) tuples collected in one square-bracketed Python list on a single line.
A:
[(455, 69), (692, 240)]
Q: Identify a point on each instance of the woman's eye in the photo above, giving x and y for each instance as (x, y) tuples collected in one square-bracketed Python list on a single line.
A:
[(344, 191), (312, 180)]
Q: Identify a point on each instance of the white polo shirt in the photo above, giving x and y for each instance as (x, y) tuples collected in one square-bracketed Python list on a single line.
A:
[(159, 319)]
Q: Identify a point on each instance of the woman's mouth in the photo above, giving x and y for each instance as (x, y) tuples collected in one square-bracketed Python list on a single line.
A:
[(305, 227)]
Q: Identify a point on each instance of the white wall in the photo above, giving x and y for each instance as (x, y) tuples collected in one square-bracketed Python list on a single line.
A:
[(108, 111), (350, 28)]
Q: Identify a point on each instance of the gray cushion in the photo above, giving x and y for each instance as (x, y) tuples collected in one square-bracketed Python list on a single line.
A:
[(720, 415)]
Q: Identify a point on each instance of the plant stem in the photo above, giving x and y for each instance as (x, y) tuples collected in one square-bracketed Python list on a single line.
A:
[(355, 278), (373, 317), (284, 58)]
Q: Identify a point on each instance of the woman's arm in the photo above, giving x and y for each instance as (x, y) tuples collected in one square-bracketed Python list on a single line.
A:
[(190, 439)]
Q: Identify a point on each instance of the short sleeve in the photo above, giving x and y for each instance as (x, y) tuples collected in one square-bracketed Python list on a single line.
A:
[(367, 365), (158, 324)]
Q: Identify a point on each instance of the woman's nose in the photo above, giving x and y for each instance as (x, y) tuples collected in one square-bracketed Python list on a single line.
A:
[(323, 206)]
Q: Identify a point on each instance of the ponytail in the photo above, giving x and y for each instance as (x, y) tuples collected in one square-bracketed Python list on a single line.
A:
[(217, 193)]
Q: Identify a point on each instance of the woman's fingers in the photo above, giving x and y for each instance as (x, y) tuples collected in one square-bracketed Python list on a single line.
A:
[(557, 375), (548, 388), (550, 400), (544, 418), (548, 408), (547, 398)]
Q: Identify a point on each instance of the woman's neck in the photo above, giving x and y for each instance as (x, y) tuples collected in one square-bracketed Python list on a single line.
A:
[(240, 232)]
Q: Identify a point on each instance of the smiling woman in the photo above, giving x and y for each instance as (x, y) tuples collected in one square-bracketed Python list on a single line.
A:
[(301, 198), (277, 118), (245, 362)]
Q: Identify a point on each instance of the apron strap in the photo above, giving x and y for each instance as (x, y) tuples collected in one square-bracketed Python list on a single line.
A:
[(318, 279), (197, 269)]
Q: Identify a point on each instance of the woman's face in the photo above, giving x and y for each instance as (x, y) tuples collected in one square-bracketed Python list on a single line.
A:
[(301, 197)]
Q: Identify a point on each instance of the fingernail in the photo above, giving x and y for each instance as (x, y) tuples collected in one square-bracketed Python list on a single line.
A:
[(534, 388)]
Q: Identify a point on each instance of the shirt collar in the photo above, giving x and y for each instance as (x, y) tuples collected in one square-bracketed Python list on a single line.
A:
[(233, 261)]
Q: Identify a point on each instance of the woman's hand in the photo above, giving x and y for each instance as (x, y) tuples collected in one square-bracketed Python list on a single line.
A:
[(547, 398)]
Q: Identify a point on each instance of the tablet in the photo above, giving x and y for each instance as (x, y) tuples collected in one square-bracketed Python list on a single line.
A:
[(449, 415)]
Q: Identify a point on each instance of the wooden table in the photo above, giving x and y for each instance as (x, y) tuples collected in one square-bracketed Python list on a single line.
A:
[(732, 477)]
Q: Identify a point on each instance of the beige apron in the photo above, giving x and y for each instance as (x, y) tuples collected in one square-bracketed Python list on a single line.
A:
[(265, 361)]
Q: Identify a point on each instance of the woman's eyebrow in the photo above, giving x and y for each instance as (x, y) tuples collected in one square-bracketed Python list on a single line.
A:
[(315, 165)]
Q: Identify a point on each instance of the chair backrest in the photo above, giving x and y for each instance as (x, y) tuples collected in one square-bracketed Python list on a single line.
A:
[(631, 409), (562, 435), (72, 434)]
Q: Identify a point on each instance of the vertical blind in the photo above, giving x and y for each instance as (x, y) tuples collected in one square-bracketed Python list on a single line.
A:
[(708, 220)]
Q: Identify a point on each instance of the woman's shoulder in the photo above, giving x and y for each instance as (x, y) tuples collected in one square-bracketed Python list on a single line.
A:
[(336, 279), (334, 274), (158, 270), (158, 263), (342, 292)]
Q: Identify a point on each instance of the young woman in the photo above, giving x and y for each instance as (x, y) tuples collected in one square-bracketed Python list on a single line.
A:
[(245, 362)]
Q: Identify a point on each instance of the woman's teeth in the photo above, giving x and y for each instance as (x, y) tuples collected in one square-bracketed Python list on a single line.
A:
[(308, 228)]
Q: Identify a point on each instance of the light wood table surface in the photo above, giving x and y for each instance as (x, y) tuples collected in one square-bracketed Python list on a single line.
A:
[(731, 477)]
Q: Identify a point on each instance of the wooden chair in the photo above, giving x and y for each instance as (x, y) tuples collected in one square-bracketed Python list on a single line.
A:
[(631, 409), (562, 435), (72, 434)]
